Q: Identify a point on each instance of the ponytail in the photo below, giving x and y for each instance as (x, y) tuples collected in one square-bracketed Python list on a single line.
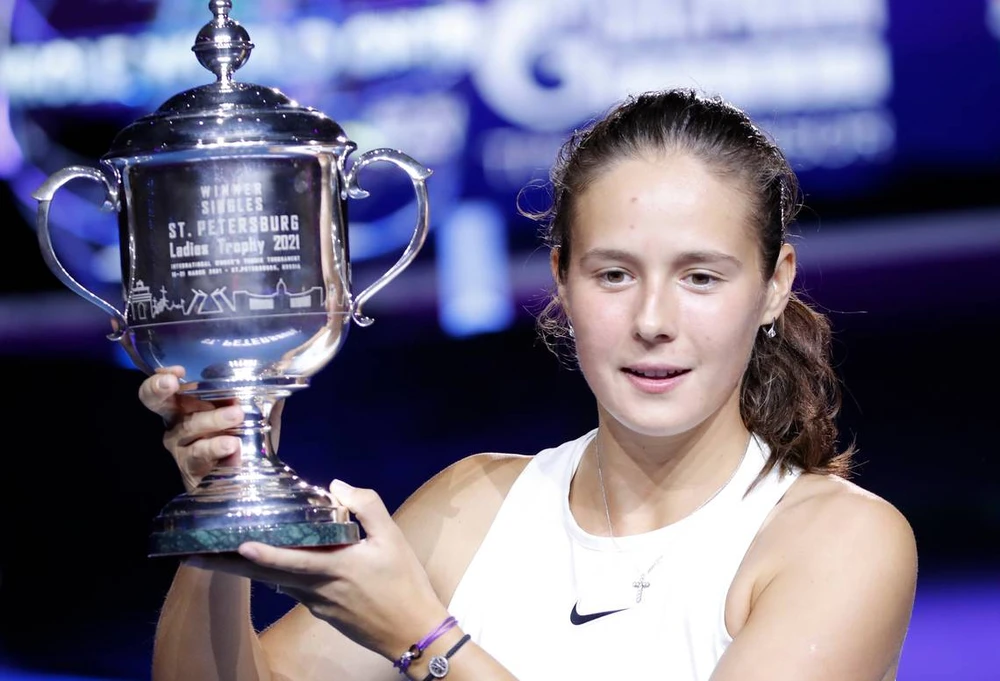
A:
[(790, 395)]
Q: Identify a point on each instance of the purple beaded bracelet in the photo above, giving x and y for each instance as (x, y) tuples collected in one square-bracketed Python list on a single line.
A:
[(417, 649)]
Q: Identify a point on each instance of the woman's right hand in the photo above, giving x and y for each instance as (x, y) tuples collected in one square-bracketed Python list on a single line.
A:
[(195, 427)]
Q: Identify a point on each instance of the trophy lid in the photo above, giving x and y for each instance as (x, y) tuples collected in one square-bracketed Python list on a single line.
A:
[(226, 112)]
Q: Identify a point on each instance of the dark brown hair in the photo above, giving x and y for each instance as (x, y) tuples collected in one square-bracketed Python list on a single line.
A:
[(790, 394)]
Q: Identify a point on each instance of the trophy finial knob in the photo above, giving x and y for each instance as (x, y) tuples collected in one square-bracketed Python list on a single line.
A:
[(222, 45)]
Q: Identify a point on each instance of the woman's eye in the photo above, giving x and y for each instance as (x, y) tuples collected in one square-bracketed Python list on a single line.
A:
[(614, 277), (701, 279)]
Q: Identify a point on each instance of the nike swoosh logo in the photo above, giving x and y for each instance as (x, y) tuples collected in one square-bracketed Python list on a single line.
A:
[(577, 618)]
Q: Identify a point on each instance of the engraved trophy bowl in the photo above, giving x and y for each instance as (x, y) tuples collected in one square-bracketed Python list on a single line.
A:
[(232, 214)]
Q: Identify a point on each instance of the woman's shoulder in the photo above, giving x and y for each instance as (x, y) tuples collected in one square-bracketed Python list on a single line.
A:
[(446, 519), (820, 500), (472, 484), (475, 486), (829, 518)]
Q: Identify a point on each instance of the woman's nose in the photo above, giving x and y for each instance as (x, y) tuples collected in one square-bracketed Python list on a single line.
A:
[(656, 314)]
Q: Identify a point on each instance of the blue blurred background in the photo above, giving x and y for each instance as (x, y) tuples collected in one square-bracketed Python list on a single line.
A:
[(887, 109)]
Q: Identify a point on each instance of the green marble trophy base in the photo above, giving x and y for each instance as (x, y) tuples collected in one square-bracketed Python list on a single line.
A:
[(224, 540)]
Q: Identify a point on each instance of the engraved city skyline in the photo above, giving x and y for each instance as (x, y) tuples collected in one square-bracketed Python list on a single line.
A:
[(144, 307)]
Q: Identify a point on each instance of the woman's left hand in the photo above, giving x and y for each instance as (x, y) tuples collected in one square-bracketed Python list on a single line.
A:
[(376, 592)]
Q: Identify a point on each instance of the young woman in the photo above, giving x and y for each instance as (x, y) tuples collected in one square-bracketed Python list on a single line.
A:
[(704, 530)]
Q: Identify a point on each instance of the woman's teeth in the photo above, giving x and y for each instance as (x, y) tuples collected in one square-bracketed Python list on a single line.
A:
[(657, 373)]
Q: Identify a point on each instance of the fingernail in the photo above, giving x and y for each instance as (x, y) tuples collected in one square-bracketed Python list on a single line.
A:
[(233, 415), (249, 551), (160, 383), (338, 486), (229, 445)]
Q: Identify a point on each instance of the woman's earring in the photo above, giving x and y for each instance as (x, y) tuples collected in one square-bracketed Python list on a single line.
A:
[(769, 331)]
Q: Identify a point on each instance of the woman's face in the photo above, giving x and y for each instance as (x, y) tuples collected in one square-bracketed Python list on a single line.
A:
[(665, 293)]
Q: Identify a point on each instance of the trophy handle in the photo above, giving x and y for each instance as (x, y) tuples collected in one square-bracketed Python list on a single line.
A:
[(44, 196), (418, 174)]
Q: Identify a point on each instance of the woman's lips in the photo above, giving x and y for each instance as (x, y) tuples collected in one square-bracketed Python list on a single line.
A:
[(655, 380)]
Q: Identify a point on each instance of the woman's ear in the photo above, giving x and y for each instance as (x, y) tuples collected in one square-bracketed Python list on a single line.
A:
[(779, 289)]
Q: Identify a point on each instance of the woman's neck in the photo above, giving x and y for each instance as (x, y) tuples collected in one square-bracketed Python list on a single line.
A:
[(650, 482)]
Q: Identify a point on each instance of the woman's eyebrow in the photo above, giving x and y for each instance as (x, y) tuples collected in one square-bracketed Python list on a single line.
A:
[(607, 254), (682, 259), (709, 256)]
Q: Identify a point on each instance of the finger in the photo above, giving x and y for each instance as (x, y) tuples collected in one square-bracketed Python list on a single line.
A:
[(366, 505), (157, 391), (200, 424), (276, 412), (201, 457), (297, 561)]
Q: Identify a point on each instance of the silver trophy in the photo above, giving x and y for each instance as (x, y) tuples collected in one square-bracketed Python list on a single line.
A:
[(231, 202)]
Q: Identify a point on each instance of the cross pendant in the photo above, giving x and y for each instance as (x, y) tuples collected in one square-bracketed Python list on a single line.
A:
[(640, 585)]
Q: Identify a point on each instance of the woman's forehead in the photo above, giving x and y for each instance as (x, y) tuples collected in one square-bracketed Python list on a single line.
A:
[(666, 198)]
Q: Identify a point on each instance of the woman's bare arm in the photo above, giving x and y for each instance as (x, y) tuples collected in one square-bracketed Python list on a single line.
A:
[(838, 605)]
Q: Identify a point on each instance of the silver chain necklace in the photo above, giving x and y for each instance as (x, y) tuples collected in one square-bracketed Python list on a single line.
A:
[(642, 583)]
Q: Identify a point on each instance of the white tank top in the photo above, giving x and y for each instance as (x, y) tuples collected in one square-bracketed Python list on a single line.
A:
[(551, 602)]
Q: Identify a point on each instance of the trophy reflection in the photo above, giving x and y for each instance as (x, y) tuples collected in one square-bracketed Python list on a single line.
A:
[(231, 202)]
